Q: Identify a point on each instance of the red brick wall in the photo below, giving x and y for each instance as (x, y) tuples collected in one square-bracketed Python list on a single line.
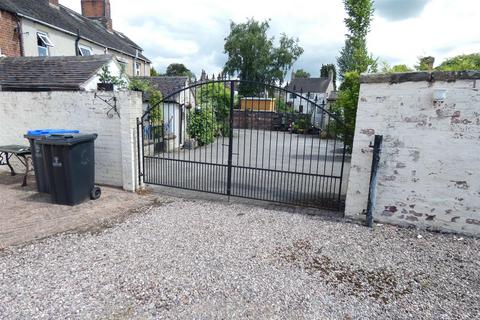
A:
[(9, 41), (98, 9)]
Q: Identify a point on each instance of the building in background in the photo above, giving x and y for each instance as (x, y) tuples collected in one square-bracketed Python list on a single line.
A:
[(34, 28), (67, 73), (305, 89)]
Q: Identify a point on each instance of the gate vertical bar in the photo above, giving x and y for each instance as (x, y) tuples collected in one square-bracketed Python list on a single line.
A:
[(230, 139)]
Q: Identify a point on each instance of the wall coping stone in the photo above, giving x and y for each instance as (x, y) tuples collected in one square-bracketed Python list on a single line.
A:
[(429, 76)]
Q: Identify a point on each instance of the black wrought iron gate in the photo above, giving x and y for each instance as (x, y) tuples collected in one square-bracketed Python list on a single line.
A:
[(245, 139)]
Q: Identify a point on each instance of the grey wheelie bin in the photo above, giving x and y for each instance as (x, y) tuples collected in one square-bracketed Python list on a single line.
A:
[(69, 162), (36, 149)]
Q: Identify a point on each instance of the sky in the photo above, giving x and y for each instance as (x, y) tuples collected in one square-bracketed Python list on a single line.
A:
[(192, 32)]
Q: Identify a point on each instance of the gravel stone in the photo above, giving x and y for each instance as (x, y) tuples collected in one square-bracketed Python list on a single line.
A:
[(197, 259)]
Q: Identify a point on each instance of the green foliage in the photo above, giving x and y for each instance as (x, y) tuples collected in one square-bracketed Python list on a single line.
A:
[(218, 97), (302, 124), (325, 70), (461, 62), (346, 107), (458, 63), (300, 73), (354, 55), (179, 69), (425, 63), (202, 125), (252, 55), (156, 114), (283, 107), (105, 76), (153, 72), (386, 68)]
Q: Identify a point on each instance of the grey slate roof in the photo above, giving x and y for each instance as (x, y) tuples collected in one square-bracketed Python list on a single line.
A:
[(308, 85), (49, 73), (167, 85), (71, 21)]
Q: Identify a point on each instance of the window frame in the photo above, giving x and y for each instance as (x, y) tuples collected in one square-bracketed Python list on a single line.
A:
[(138, 66), (47, 43), (45, 39), (84, 47)]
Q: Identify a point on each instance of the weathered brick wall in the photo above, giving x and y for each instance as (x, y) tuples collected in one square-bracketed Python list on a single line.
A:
[(253, 120), (429, 167), (9, 40), (115, 147)]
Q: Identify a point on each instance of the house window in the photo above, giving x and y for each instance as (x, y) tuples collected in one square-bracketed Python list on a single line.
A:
[(123, 66), (43, 43), (138, 65), (85, 51)]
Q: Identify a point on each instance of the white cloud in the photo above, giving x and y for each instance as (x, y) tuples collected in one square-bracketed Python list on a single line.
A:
[(192, 32)]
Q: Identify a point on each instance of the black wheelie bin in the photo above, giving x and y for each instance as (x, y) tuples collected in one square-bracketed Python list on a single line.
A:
[(36, 149), (69, 162)]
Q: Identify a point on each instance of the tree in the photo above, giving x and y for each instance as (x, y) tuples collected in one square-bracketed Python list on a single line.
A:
[(179, 69), (153, 72), (354, 59), (217, 96), (144, 86), (461, 62), (252, 55), (346, 106), (325, 72), (386, 68), (354, 56), (300, 73)]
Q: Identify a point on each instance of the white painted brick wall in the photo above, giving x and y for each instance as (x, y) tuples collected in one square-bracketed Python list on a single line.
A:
[(429, 167), (115, 147)]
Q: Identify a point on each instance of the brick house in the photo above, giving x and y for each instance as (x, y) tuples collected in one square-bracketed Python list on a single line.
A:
[(34, 28)]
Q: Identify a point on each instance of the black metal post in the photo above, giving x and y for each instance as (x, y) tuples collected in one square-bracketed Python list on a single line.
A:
[(139, 156), (372, 190), (230, 138)]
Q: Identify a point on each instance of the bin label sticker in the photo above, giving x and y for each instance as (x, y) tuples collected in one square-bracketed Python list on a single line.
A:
[(56, 162)]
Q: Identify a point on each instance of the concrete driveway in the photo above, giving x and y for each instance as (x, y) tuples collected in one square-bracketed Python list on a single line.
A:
[(269, 165)]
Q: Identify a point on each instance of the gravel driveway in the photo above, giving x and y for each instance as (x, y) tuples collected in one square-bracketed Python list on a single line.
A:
[(200, 259)]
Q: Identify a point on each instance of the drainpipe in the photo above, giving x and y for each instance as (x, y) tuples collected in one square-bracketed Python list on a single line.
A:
[(77, 41), (20, 35)]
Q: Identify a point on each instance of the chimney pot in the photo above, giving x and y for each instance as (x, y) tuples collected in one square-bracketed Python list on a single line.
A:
[(53, 2)]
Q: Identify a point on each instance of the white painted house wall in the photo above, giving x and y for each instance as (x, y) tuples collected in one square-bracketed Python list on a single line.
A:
[(296, 101), (115, 147), (429, 166), (64, 45)]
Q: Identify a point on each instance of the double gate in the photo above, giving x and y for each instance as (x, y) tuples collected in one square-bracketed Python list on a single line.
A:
[(245, 139)]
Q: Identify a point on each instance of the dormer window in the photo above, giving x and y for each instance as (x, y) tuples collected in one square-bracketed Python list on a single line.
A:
[(84, 50), (43, 43)]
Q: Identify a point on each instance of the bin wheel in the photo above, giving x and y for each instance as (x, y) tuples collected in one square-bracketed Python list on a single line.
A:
[(95, 193)]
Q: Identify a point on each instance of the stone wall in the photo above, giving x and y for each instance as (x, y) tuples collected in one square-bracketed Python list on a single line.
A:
[(115, 147), (429, 166)]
